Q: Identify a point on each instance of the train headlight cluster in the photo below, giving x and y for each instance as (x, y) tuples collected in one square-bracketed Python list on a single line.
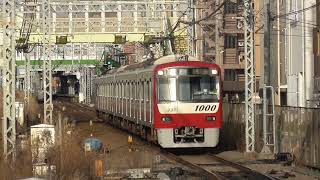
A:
[(160, 73), (166, 119), (211, 118)]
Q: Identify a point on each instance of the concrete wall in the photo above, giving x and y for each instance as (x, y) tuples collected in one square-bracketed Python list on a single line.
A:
[(296, 128)]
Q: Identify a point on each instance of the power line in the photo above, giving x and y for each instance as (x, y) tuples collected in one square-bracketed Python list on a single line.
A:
[(291, 35), (205, 18), (304, 22), (298, 11)]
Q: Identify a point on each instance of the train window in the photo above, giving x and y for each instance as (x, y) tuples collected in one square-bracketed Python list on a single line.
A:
[(102, 93), (133, 90), (137, 90), (141, 92), (167, 89), (120, 90), (123, 89), (198, 88), (107, 92), (115, 90), (128, 89), (122, 85), (147, 90)]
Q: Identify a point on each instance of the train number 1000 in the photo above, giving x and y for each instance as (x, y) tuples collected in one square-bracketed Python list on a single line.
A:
[(206, 107)]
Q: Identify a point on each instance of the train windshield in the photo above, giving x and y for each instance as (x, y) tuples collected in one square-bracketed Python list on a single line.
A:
[(199, 88), (188, 85)]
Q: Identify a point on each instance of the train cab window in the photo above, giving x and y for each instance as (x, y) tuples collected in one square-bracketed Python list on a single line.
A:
[(188, 85), (198, 88), (167, 89)]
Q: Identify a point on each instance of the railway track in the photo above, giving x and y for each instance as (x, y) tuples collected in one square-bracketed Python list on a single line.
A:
[(209, 165), (224, 169)]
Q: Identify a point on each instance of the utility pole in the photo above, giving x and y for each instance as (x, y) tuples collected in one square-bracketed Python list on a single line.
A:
[(249, 74), (47, 69), (191, 29), (267, 42), (9, 73), (217, 35)]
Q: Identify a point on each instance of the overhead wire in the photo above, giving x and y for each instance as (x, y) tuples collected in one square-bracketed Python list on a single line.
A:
[(296, 12), (207, 17)]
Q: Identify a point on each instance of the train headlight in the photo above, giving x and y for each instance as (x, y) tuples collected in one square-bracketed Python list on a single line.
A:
[(166, 119), (214, 72), (160, 73), (172, 72), (211, 118)]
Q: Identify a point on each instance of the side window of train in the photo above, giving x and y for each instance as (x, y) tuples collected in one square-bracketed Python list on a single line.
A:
[(138, 90), (117, 89), (127, 90), (120, 90), (107, 90), (133, 91), (151, 89), (147, 90), (143, 91), (112, 89), (123, 90), (104, 90)]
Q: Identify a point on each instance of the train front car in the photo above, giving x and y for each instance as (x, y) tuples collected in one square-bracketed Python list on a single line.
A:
[(187, 107)]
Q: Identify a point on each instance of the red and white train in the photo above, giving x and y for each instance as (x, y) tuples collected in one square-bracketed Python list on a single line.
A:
[(177, 104)]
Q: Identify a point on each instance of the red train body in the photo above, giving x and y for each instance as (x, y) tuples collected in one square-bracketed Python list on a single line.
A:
[(177, 104)]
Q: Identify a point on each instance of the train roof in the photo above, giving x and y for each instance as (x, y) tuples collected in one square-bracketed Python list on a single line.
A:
[(151, 63)]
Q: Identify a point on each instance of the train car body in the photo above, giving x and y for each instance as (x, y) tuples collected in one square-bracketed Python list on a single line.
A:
[(174, 103)]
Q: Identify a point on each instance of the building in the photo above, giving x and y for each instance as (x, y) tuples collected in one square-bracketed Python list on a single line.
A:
[(291, 65), (222, 42), (316, 52), (286, 48)]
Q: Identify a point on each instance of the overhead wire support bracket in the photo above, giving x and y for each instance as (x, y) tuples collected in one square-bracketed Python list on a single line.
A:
[(9, 69), (249, 75)]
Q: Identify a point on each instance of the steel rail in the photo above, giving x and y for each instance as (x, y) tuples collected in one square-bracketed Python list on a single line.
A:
[(208, 174), (240, 167)]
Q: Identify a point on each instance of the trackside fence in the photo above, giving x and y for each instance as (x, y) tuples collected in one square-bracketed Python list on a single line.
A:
[(297, 131)]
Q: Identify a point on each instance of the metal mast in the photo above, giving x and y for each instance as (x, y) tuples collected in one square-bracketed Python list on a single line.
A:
[(9, 53), (191, 29), (47, 69), (27, 79), (249, 73)]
